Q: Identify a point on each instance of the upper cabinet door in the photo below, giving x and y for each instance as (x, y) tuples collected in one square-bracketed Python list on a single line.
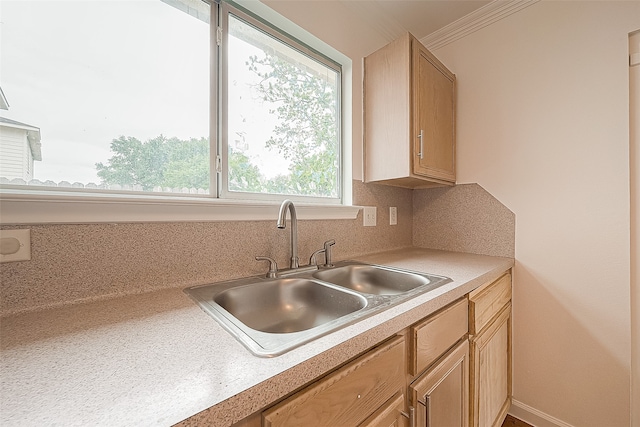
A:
[(434, 117), (409, 117)]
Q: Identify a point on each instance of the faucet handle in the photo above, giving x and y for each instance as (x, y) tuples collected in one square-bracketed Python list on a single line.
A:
[(273, 266), (312, 260), (327, 252)]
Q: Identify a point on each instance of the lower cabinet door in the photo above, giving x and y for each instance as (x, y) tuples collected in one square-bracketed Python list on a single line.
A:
[(491, 372), (440, 396)]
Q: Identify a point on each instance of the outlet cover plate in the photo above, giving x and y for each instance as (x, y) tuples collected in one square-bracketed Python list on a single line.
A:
[(15, 238)]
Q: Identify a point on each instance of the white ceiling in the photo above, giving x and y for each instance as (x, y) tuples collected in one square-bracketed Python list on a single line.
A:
[(358, 27), (419, 17)]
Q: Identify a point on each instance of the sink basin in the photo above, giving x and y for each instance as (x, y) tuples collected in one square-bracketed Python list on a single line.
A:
[(272, 316), (288, 305), (371, 279)]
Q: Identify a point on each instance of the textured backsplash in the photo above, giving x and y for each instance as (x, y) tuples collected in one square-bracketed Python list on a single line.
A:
[(463, 218), (72, 263)]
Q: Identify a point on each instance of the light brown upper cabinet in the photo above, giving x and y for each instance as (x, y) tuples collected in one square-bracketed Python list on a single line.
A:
[(409, 114)]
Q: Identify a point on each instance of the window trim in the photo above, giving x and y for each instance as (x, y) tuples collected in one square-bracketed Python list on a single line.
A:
[(46, 207), (24, 205)]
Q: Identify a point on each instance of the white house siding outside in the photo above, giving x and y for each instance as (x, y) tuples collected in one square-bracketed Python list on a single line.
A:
[(16, 157), (20, 146)]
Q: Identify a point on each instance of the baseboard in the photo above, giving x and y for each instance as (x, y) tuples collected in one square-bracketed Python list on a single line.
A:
[(533, 416)]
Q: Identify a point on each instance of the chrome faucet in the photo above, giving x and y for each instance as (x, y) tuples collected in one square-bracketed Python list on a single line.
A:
[(295, 261), (282, 223)]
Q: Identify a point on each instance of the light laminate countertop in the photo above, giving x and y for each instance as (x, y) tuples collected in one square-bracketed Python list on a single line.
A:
[(157, 359)]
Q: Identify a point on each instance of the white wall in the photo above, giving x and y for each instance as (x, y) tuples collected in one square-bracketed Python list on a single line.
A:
[(543, 125), (634, 82)]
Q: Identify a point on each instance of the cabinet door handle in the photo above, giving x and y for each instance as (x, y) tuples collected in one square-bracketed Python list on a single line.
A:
[(427, 401), (421, 152)]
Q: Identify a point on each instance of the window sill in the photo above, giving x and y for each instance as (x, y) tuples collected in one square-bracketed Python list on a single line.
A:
[(41, 207)]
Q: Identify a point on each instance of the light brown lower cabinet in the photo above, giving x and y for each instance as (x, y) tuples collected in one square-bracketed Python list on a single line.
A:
[(370, 390), (450, 369), (350, 395), (391, 414), (434, 336), (490, 367), (440, 396)]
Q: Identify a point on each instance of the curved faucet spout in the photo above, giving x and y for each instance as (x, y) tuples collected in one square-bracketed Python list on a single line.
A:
[(282, 223)]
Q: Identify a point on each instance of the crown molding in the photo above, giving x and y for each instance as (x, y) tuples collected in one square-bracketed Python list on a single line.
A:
[(476, 20)]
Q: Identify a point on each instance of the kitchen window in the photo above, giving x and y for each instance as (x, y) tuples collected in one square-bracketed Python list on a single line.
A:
[(280, 113), (119, 99)]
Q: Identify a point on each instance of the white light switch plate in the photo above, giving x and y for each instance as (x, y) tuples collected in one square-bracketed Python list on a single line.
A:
[(15, 245), (393, 215), (369, 214)]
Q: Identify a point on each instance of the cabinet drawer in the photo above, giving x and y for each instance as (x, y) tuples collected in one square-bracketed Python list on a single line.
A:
[(486, 301), (432, 337), (347, 396)]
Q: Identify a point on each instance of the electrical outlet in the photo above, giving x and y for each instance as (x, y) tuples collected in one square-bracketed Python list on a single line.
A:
[(15, 245), (393, 215), (369, 215)]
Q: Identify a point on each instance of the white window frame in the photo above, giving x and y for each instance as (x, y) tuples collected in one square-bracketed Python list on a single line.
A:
[(39, 205), (229, 8)]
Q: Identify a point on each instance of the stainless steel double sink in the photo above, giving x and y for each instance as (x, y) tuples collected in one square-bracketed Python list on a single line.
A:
[(272, 316)]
